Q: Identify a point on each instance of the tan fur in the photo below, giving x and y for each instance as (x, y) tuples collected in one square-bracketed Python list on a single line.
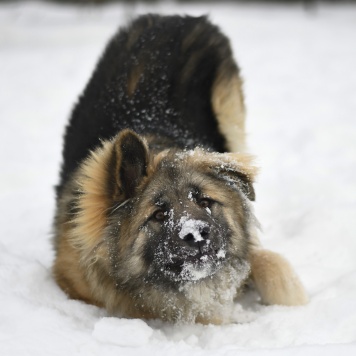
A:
[(238, 161), (275, 279), (79, 248), (156, 159), (135, 33), (70, 275), (228, 106), (134, 78), (80, 238), (190, 39), (94, 200), (190, 66)]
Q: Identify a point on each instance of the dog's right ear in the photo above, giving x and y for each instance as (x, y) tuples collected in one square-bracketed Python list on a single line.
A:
[(129, 163)]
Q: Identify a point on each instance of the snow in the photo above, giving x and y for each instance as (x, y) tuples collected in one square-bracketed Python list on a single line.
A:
[(300, 88), (191, 226), (133, 332)]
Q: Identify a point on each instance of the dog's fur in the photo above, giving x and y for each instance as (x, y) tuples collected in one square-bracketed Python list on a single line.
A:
[(153, 208)]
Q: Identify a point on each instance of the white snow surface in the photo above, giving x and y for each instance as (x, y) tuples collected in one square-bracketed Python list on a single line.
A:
[(300, 84)]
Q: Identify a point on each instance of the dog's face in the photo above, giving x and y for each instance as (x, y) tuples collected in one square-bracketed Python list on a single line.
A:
[(187, 231), (179, 216)]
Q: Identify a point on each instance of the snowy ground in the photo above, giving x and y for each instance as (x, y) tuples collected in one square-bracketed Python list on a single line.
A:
[(299, 69)]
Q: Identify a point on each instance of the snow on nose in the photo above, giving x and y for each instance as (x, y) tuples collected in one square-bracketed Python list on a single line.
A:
[(192, 227)]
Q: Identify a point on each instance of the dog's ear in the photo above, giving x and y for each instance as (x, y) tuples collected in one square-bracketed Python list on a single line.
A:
[(237, 173), (234, 168), (238, 168), (129, 163)]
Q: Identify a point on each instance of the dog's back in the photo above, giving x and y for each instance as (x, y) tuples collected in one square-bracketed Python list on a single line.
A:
[(172, 77)]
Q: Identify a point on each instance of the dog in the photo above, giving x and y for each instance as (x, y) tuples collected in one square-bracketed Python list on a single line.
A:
[(154, 216)]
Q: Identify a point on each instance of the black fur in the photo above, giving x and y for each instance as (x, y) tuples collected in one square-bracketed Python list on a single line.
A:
[(177, 58)]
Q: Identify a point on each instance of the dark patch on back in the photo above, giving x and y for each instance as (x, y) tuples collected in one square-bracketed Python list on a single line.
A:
[(171, 98)]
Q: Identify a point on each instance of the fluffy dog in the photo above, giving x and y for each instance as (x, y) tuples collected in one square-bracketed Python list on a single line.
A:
[(154, 214)]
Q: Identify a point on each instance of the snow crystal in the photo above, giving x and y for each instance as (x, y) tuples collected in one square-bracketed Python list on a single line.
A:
[(221, 254)]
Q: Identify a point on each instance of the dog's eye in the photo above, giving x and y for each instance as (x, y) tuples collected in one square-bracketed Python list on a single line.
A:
[(159, 215), (205, 203)]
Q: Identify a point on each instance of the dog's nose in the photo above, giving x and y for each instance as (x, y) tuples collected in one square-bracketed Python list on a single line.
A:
[(197, 238)]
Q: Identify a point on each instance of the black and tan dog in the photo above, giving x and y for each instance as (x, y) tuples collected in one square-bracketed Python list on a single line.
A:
[(153, 208)]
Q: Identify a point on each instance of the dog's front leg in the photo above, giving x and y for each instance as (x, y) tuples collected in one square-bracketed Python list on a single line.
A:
[(275, 279)]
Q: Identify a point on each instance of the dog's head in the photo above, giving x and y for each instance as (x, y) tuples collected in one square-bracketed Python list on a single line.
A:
[(175, 216)]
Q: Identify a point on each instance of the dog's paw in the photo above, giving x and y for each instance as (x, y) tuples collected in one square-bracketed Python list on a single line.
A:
[(275, 279)]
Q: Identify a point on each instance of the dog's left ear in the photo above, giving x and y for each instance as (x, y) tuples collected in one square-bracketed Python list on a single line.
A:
[(238, 167), (234, 168), (234, 173), (130, 159)]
